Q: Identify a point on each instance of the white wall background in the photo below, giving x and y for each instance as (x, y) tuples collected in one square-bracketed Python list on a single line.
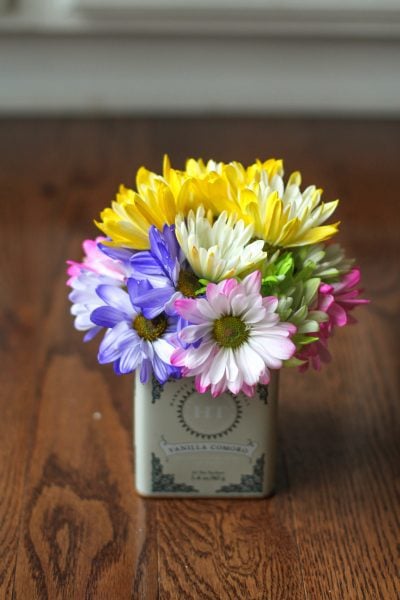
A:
[(208, 56)]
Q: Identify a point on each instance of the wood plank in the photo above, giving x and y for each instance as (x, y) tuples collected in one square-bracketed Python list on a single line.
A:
[(81, 530), (82, 537), (342, 449), (18, 348), (15, 434), (340, 427), (229, 548)]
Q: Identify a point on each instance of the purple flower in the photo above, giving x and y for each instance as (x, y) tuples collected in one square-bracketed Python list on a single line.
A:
[(85, 300), (97, 268), (134, 340), (163, 273), (121, 255)]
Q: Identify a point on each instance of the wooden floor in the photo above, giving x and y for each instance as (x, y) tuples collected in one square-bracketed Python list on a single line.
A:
[(71, 524)]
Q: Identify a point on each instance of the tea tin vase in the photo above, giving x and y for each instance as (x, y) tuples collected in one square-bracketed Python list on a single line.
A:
[(191, 444)]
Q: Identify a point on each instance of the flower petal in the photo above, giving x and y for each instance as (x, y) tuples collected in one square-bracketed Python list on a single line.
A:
[(217, 369), (145, 371), (194, 332), (107, 316), (115, 297), (153, 302), (252, 282), (164, 350), (130, 359), (187, 308), (109, 348), (250, 363)]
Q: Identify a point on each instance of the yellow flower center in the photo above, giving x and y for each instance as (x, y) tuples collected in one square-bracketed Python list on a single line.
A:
[(150, 329), (230, 332), (188, 283)]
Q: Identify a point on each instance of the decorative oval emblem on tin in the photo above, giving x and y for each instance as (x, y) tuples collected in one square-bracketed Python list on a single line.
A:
[(207, 417)]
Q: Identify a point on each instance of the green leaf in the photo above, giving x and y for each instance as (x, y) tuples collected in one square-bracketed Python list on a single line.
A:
[(269, 279), (299, 316), (302, 340), (308, 327), (286, 264), (293, 362), (310, 290), (201, 290), (318, 315)]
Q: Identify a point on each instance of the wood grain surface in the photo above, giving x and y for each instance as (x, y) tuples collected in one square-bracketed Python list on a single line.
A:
[(71, 525)]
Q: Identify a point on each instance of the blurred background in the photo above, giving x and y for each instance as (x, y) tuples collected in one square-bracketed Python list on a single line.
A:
[(285, 57)]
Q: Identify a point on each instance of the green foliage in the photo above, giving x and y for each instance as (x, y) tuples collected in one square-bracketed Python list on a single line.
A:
[(290, 277), (202, 290)]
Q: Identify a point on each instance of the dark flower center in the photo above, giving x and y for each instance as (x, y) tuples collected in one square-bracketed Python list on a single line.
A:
[(150, 329), (188, 283), (230, 332)]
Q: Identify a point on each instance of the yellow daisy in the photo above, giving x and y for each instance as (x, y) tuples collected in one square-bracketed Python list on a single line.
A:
[(282, 215), (158, 200), (132, 213)]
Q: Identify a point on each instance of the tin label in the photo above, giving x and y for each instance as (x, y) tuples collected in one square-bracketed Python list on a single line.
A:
[(192, 444)]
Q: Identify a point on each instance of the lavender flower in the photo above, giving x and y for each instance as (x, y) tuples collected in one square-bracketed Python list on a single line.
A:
[(165, 271), (134, 340), (97, 268)]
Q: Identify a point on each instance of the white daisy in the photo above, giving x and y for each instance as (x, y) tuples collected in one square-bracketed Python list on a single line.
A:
[(218, 250), (237, 335)]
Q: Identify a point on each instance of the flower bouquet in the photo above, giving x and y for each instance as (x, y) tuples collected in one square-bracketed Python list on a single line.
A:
[(208, 281)]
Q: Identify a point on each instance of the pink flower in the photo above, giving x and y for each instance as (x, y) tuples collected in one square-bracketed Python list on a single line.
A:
[(96, 262), (237, 335), (345, 298), (337, 301), (314, 354)]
